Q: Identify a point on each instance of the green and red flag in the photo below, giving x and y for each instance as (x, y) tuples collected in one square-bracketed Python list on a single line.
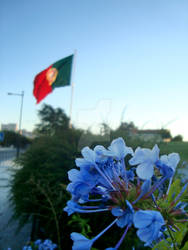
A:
[(56, 75)]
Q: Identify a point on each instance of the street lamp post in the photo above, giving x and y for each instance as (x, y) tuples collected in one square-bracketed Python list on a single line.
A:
[(20, 118)]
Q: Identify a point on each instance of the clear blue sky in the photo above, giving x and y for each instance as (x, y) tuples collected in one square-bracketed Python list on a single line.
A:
[(131, 55)]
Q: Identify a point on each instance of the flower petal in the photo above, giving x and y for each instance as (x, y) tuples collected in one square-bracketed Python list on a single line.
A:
[(145, 155), (145, 234), (80, 242), (140, 155), (174, 159), (119, 148), (117, 211), (99, 149), (146, 186), (142, 218), (88, 154), (122, 221), (171, 160), (73, 175), (155, 153), (80, 162), (145, 171)]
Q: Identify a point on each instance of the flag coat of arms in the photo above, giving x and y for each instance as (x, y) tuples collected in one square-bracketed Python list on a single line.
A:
[(56, 75)]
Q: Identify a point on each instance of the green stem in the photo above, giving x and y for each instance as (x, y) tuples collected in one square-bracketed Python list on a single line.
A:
[(53, 212), (172, 238)]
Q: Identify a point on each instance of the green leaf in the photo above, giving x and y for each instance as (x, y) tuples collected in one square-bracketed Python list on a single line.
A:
[(174, 190), (179, 235), (185, 246), (161, 245)]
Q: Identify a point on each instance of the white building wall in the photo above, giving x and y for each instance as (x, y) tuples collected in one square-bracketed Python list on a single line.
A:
[(9, 127)]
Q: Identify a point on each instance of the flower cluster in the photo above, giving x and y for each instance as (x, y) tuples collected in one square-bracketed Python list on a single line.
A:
[(135, 193), (41, 245)]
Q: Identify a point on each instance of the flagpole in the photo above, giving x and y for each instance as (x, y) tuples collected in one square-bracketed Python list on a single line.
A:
[(72, 88)]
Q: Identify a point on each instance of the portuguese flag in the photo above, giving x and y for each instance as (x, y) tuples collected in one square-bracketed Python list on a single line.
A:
[(56, 75)]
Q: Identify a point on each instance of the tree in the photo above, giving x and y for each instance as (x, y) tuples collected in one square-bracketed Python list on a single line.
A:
[(128, 126), (52, 121), (43, 177), (165, 134), (104, 129), (12, 138), (177, 138)]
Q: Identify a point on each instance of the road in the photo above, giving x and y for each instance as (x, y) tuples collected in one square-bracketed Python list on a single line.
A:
[(8, 238)]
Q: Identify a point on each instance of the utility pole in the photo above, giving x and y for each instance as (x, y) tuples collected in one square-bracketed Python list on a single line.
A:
[(20, 119)]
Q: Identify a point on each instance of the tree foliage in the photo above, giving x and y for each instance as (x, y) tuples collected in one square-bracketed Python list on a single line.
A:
[(52, 121), (12, 138), (177, 138), (165, 134), (43, 176)]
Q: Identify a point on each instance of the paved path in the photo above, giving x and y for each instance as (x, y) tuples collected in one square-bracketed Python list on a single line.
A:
[(7, 231)]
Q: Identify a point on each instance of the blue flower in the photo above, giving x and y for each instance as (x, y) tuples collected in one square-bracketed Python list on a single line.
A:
[(130, 174), (165, 170), (145, 159), (103, 181), (125, 217), (82, 183), (47, 245), (97, 165), (71, 207), (101, 154), (119, 149), (89, 158), (38, 242), (167, 165), (149, 224), (27, 248), (88, 154), (75, 207), (80, 242), (171, 161)]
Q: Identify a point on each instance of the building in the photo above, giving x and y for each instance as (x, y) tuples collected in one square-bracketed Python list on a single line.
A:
[(157, 135), (150, 135), (9, 127), (27, 134)]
